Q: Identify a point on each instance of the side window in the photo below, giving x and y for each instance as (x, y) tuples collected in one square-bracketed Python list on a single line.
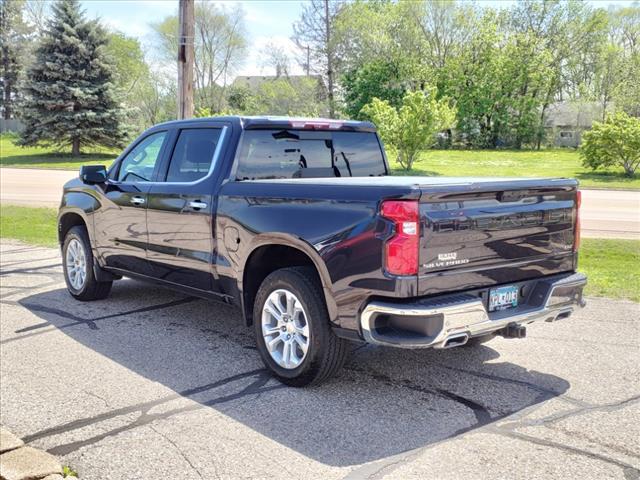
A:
[(193, 154), (139, 164)]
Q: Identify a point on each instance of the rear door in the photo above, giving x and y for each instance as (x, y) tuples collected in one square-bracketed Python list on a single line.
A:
[(181, 206), (121, 224), (490, 234)]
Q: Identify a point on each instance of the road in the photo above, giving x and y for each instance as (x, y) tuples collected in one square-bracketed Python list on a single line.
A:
[(151, 384), (605, 213)]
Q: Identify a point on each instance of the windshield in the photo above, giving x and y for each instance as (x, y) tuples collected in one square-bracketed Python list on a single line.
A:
[(271, 154)]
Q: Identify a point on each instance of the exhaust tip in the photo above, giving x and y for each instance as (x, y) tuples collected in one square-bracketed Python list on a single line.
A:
[(456, 340)]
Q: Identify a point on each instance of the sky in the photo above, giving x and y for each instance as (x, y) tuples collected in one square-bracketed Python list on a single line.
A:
[(267, 21)]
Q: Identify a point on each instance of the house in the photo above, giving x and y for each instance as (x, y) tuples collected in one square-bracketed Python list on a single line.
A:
[(254, 82), (565, 122)]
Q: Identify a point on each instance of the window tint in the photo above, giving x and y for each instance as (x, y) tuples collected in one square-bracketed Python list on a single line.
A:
[(298, 153), (140, 162), (193, 154)]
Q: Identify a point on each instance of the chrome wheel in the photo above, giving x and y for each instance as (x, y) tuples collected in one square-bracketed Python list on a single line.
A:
[(76, 261), (285, 329)]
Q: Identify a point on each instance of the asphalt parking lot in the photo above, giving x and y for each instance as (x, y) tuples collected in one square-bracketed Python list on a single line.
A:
[(150, 384)]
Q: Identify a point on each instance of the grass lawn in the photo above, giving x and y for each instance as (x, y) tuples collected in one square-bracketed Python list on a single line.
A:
[(613, 266), (12, 155), (514, 163), (482, 163), (29, 224)]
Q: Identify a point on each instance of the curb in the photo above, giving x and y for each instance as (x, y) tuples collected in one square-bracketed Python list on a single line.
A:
[(21, 462)]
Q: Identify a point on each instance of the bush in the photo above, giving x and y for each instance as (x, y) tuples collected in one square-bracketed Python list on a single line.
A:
[(413, 126), (615, 142)]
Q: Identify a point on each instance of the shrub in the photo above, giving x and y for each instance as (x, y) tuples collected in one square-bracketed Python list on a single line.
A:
[(413, 126), (615, 142)]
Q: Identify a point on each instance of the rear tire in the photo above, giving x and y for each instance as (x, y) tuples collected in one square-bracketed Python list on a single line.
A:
[(475, 341), (317, 356), (77, 263)]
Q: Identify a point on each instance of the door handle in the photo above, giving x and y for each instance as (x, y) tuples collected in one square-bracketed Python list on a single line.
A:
[(137, 200), (197, 205)]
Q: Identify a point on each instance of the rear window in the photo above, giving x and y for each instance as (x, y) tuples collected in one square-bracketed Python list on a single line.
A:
[(269, 154)]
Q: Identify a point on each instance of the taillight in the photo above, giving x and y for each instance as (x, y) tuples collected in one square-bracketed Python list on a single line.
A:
[(576, 238), (401, 250)]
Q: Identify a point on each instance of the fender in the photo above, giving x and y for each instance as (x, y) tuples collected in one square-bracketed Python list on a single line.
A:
[(292, 241), (83, 204)]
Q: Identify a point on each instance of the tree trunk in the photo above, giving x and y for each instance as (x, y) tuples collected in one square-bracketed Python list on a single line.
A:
[(75, 147), (7, 83), (327, 26)]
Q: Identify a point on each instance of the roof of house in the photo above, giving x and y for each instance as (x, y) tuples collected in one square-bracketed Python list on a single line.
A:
[(573, 114), (254, 81)]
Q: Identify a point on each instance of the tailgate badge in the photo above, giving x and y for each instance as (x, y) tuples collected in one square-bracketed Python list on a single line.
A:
[(446, 260)]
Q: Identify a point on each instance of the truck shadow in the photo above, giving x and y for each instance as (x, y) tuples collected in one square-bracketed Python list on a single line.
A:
[(385, 402)]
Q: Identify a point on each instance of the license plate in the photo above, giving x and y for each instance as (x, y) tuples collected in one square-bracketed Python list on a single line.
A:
[(503, 297)]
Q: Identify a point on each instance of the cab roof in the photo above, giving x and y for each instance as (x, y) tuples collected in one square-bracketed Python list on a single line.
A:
[(268, 122)]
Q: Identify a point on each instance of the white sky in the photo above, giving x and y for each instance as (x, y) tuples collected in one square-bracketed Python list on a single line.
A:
[(266, 21)]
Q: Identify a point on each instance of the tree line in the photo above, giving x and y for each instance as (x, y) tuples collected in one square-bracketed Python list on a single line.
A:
[(495, 72)]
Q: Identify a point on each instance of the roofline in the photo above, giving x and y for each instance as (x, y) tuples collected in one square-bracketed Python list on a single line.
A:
[(266, 122)]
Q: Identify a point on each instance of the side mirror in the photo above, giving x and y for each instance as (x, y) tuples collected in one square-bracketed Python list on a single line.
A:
[(93, 174)]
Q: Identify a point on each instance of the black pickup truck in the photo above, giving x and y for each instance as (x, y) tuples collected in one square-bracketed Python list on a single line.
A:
[(298, 223)]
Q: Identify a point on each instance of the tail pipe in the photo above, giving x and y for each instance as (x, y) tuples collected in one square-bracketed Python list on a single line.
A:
[(456, 340)]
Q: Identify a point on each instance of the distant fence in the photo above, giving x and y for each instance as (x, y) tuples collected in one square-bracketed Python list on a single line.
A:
[(11, 125)]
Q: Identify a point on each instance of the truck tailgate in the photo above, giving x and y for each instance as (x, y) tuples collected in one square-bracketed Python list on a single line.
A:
[(495, 233)]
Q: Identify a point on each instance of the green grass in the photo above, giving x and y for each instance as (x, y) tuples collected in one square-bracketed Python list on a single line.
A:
[(481, 163), (514, 163), (613, 266), (12, 155), (32, 225)]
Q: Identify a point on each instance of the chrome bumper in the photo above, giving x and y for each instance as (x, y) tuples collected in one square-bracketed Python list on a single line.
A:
[(449, 321)]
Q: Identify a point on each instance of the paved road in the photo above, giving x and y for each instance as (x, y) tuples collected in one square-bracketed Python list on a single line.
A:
[(151, 384), (605, 213)]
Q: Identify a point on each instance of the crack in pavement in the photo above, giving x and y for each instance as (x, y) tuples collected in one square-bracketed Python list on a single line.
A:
[(145, 418), (523, 383), (480, 412), (554, 418), (31, 270), (379, 469), (567, 448), (91, 323), (179, 450)]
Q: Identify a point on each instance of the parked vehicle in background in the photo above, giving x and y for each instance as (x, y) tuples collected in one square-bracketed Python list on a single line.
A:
[(298, 223)]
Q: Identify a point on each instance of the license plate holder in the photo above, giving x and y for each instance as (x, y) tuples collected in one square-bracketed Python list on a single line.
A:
[(502, 298)]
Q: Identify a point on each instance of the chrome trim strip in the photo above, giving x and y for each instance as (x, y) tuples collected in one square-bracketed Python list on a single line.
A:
[(467, 316)]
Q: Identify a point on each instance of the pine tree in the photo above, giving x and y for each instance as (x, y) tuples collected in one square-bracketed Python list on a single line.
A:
[(69, 95)]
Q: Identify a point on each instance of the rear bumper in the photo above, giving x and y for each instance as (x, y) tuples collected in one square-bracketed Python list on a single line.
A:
[(448, 321)]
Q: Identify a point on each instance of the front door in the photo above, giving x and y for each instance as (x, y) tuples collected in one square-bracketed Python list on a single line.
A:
[(180, 210), (121, 222)]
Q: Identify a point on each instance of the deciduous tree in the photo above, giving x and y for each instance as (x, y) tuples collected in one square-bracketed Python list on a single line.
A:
[(314, 31), (411, 128), (12, 40), (615, 142)]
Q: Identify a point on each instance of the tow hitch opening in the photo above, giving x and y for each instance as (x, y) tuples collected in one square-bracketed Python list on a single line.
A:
[(514, 331)]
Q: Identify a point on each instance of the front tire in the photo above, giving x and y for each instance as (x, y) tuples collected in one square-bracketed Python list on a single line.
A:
[(292, 328), (77, 263)]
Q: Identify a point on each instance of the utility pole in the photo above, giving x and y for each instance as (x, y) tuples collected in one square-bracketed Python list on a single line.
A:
[(327, 24), (186, 58), (308, 65)]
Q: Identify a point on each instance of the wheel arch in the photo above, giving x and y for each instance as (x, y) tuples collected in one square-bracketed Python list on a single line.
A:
[(69, 219), (272, 253), (75, 209)]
